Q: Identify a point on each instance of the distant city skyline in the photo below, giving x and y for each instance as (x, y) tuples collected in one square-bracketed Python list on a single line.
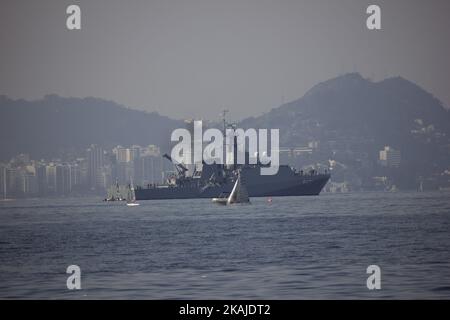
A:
[(191, 59), (99, 171)]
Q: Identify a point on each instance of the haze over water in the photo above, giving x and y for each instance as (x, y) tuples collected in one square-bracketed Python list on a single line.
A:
[(292, 248)]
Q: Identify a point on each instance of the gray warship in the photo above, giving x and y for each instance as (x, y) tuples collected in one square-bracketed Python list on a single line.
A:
[(213, 180), (216, 179)]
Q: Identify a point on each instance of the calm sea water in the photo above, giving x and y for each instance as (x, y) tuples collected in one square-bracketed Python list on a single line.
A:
[(292, 248)]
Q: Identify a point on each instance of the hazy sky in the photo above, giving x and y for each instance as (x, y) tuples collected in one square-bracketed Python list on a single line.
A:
[(192, 58)]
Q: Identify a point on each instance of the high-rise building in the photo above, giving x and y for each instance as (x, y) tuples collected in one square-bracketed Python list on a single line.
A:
[(63, 179), (41, 179), (151, 168), (95, 158), (26, 183), (11, 181), (105, 178), (3, 181), (126, 155), (50, 173), (135, 152), (122, 154), (389, 157)]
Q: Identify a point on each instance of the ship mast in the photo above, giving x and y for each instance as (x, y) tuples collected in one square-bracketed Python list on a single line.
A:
[(232, 143), (4, 183), (224, 119)]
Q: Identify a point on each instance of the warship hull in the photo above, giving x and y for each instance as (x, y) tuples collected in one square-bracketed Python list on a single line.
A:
[(284, 183)]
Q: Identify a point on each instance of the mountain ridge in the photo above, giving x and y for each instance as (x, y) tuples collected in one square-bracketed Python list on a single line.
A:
[(393, 111), (352, 119), (53, 125)]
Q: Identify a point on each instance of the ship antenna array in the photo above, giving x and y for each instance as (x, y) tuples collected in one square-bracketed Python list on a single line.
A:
[(224, 119)]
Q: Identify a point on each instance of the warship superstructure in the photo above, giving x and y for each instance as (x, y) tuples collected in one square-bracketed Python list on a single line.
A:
[(211, 180)]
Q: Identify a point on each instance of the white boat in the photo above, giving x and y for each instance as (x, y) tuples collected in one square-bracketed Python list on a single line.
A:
[(131, 198), (114, 193), (132, 204), (239, 194)]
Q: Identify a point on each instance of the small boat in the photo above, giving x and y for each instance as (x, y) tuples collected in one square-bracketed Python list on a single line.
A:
[(131, 198), (239, 194), (114, 196), (132, 204)]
